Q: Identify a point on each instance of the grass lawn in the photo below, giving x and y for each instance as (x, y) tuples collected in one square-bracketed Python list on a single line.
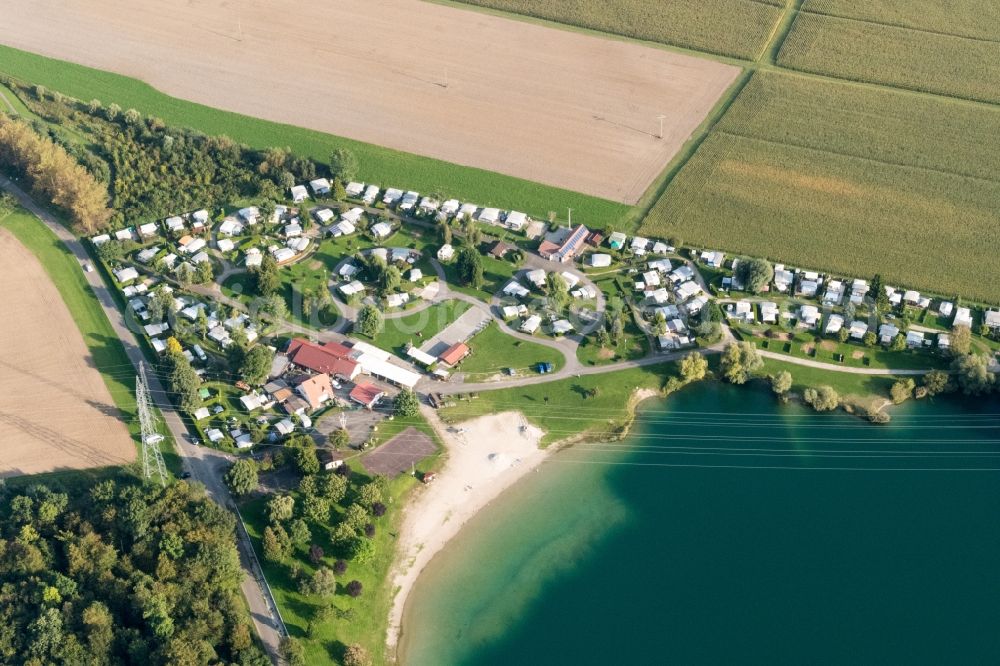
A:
[(377, 164), (400, 331), (106, 349), (493, 350), (358, 620), (634, 343), (845, 383), (564, 408), (496, 274), (802, 344)]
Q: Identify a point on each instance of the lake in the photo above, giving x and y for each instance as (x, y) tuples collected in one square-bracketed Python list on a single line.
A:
[(729, 528)]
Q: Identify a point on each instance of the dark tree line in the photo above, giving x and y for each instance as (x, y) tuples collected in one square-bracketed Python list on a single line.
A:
[(120, 573)]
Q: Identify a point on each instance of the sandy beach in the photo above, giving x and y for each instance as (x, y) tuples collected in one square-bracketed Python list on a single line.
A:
[(485, 456)]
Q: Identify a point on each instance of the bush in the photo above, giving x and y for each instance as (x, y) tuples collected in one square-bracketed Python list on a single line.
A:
[(902, 390), (354, 588), (823, 399)]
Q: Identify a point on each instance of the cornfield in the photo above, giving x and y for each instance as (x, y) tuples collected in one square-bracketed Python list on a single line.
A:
[(847, 179), (737, 28), (894, 56)]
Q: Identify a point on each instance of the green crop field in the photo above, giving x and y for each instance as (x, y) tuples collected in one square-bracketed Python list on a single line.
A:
[(895, 56), (965, 18), (738, 28), (854, 180), (377, 164)]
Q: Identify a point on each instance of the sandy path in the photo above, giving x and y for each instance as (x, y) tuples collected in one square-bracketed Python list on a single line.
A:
[(55, 410), (548, 105), (488, 456)]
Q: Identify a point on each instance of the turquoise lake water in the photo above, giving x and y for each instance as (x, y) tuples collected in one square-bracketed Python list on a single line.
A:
[(732, 529)]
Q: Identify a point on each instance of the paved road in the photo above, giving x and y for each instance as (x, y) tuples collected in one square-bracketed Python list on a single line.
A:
[(204, 464)]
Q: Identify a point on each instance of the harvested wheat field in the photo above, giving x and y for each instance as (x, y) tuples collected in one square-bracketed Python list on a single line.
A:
[(548, 105), (55, 410)]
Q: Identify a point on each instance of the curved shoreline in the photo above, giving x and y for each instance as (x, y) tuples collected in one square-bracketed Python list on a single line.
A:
[(466, 484), (485, 457)]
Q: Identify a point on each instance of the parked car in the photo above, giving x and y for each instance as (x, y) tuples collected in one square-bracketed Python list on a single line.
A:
[(88, 267)]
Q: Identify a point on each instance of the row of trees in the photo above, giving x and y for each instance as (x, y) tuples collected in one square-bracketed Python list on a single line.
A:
[(120, 573), (54, 174)]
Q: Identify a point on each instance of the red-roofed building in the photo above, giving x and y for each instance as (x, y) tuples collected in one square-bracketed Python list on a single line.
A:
[(317, 390), (452, 355), (367, 395), (331, 358), (569, 248)]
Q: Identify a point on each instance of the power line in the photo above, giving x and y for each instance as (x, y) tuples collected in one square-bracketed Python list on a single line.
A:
[(152, 459)]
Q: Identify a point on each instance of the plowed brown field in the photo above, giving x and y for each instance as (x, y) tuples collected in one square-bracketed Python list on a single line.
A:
[(548, 105), (55, 411)]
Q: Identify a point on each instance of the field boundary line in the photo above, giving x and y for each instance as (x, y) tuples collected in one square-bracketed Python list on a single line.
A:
[(899, 26)]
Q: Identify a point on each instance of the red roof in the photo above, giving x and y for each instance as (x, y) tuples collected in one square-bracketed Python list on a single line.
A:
[(330, 358), (366, 394), (455, 353)]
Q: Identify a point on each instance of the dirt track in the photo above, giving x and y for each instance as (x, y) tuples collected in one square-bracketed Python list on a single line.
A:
[(547, 105), (55, 411)]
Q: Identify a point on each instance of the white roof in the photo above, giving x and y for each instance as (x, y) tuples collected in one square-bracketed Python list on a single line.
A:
[(251, 213), (834, 323), (347, 270), (562, 327), (101, 239), (652, 278), (370, 193), (571, 279), (283, 254), (688, 289), (516, 219), (354, 189), (514, 288), (421, 357), (353, 215), (194, 246), (510, 311), (148, 229), (915, 337), (201, 413), (381, 229), (200, 258), (200, 216), (351, 288), (230, 227), (377, 363), (536, 276), (600, 260), (429, 203), (391, 195), (320, 185), (284, 426), (531, 324), (126, 274), (123, 234), (416, 275), (888, 331), (298, 244), (469, 209), (324, 215), (396, 300), (858, 328), (343, 228), (214, 435), (293, 229), (445, 252), (299, 192), (174, 223), (450, 206), (992, 318), (226, 245), (490, 215)]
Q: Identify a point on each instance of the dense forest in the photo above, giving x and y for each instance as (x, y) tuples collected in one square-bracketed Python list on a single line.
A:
[(152, 171), (120, 573)]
